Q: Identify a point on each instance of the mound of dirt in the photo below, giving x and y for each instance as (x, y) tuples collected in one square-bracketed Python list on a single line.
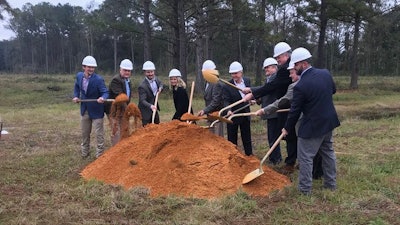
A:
[(177, 158)]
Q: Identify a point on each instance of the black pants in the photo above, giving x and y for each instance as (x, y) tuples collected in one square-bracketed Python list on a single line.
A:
[(291, 140), (273, 131), (232, 129)]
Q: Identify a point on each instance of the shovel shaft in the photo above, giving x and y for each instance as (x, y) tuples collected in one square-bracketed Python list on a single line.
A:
[(153, 116), (95, 100), (276, 143)]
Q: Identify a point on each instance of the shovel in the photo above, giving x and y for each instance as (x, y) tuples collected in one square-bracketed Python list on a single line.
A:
[(190, 100), (211, 76), (258, 172), (153, 116), (235, 111), (95, 100)]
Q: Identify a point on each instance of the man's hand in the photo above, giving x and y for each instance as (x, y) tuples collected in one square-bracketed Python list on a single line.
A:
[(153, 107), (200, 113), (100, 100), (76, 100), (248, 97), (284, 132), (246, 90), (260, 112)]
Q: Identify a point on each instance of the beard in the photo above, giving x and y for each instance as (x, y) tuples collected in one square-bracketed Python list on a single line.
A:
[(300, 70)]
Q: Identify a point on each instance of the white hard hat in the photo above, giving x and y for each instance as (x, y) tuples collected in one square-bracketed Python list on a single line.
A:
[(208, 65), (149, 65), (126, 64), (89, 61), (269, 61), (235, 67), (281, 48), (300, 54), (291, 66), (174, 73)]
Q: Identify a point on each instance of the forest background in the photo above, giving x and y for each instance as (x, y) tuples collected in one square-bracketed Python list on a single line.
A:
[(348, 37)]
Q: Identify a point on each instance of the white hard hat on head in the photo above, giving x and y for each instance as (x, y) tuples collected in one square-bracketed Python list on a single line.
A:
[(126, 64), (300, 54), (208, 65), (281, 48), (269, 61), (174, 73), (89, 61), (235, 67), (149, 65), (291, 66)]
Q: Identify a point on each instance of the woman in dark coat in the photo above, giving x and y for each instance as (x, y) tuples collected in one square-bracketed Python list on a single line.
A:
[(181, 99)]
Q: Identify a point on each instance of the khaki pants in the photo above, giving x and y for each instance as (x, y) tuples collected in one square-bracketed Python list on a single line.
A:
[(86, 127)]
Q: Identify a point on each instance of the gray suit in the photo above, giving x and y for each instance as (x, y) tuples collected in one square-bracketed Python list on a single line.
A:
[(214, 102), (146, 100)]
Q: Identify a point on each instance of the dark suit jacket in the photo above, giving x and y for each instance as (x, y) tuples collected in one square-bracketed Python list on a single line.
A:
[(277, 87), (268, 99), (116, 87), (231, 95), (147, 98), (213, 98), (312, 96), (96, 89)]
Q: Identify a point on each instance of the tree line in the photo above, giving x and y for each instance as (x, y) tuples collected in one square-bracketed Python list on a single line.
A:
[(350, 37)]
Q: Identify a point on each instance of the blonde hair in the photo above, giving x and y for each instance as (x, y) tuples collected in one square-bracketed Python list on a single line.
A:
[(180, 83)]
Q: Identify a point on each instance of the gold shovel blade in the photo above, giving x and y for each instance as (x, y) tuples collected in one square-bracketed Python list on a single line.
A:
[(253, 175)]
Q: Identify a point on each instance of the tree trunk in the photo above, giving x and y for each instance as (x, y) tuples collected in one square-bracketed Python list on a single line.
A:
[(236, 23), (322, 33), (182, 40), (354, 56), (260, 44), (147, 30)]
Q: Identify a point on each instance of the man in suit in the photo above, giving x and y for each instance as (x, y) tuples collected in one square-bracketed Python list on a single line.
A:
[(278, 88), (312, 96), (213, 99), (148, 90), (120, 83), (89, 85), (231, 95)]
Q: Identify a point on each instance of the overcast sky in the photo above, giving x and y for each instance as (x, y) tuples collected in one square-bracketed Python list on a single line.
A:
[(6, 34)]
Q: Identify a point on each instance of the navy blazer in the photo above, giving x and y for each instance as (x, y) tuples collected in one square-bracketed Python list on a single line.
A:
[(312, 96), (278, 86), (231, 95), (96, 89)]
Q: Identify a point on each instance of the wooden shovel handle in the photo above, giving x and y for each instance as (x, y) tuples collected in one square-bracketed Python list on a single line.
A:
[(283, 110), (230, 84), (230, 106), (191, 97), (242, 114), (276, 143), (153, 116)]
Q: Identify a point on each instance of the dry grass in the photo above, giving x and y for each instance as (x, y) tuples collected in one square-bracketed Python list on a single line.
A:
[(40, 165)]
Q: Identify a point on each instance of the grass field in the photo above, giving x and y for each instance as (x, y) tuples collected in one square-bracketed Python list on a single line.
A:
[(40, 164)]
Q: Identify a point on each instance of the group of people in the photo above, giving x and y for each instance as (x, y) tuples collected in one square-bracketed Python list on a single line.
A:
[(291, 83)]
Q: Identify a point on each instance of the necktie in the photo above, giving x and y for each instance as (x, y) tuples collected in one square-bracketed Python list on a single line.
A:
[(128, 90), (153, 86)]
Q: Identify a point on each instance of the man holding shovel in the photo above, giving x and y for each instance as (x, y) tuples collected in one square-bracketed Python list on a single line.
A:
[(213, 99), (119, 84), (148, 90), (278, 87), (89, 85), (312, 97)]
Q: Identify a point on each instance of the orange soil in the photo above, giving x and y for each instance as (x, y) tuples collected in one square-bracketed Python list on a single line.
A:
[(177, 158)]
